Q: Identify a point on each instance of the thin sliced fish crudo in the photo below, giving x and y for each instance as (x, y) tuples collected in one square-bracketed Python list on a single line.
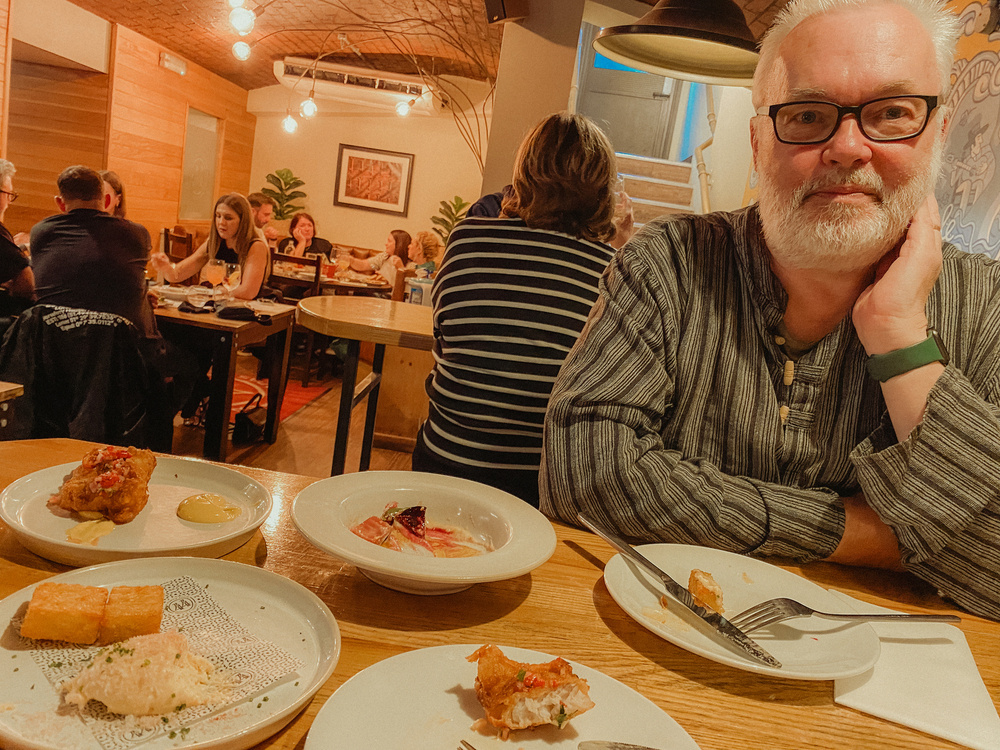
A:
[(407, 530)]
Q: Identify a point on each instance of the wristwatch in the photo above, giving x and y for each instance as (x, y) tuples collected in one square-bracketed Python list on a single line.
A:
[(889, 365)]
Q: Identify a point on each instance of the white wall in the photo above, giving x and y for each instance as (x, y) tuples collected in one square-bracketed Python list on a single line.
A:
[(59, 27), (729, 158), (443, 165)]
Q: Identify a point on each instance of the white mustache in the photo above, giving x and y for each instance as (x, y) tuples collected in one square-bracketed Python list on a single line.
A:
[(862, 178)]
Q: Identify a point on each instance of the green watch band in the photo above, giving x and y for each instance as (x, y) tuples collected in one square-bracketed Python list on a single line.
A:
[(889, 365)]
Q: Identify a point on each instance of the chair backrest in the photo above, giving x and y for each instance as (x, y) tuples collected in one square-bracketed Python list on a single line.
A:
[(176, 242), (313, 261), (84, 377), (399, 284)]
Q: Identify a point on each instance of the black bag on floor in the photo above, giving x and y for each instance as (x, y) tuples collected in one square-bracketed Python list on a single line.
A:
[(248, 425)]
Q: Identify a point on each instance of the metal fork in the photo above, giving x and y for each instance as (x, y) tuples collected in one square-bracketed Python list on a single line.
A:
[(778, 610)]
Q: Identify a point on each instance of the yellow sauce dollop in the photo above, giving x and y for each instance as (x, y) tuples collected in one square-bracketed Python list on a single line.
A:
[(207, 508)]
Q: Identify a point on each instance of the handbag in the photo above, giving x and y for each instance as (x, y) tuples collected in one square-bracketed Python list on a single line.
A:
[(248, 425)]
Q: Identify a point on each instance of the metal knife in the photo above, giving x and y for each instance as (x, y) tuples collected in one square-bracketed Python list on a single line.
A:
[(608, 745), (719, 624)]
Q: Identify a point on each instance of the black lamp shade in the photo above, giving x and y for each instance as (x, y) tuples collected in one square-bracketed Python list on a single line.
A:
[(695, 40)]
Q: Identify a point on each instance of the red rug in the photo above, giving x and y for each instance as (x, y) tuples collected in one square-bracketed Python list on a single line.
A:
[(295, 395)]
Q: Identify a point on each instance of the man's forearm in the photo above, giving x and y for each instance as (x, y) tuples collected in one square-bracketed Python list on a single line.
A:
[(867, 541)]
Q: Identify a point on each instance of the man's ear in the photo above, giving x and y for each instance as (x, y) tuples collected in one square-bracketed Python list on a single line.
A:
[(107, 201), (753, 144), (60, 204)]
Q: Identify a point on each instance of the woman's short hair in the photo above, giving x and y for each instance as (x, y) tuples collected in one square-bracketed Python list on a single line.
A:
[(299, 217), (564, 177), (430, 244), (116, 184), (246, 233), (403, 240)]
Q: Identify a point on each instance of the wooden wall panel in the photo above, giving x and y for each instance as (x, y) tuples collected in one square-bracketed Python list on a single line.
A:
[(56, 118), (148, 120), (4, 77)]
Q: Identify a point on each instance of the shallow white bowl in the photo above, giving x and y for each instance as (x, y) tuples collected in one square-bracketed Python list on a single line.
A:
[(521, 537)]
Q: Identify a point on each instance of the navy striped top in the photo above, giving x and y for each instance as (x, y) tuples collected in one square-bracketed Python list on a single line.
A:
[(509, 303)]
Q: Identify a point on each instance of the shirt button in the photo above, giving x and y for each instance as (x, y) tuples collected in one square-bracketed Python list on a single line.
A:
[(789, 371)]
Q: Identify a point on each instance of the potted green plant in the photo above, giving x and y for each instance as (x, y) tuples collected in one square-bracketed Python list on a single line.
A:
[(449, 214), (284, 193)]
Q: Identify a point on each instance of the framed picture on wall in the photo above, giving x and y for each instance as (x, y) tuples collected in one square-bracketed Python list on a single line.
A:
[(373, 179)]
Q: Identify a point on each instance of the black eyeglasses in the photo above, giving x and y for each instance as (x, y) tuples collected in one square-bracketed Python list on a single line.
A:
[(891, 118), (11, 193)]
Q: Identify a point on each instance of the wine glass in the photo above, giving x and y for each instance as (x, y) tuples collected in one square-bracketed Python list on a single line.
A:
[(214, 272)]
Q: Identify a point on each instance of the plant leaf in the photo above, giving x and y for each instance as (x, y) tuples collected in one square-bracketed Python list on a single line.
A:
[(271, 193), (275, 181), (295, 195), (294, 183)]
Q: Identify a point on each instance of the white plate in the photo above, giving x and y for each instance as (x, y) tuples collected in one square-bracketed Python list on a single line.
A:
[(425, 700), (808, 648), (270, 606), (522, 537), (155, 532), (178, 293)]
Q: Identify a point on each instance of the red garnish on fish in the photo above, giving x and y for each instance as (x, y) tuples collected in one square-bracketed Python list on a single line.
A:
[(406, 530), (413, 519)]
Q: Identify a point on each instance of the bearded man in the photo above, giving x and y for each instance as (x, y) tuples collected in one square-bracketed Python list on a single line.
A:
[(777, 381)]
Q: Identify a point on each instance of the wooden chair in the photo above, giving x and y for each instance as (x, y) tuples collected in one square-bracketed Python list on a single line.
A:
[(178, 244), (399, 285), (308, 288)]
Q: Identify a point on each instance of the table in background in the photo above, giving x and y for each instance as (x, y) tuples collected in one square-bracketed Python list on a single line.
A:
[(380, 321), (10, 390), (228, 337), (562, 608), (331, 285)]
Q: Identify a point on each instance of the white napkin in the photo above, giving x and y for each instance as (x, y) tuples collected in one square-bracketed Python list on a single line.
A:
[(925, 678)]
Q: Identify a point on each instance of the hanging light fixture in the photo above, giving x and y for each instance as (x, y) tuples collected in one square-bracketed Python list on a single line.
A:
[(403, 108), (236, 3), (695, 40), (289, 124), (242, 20), (241, 50), (308, 107)]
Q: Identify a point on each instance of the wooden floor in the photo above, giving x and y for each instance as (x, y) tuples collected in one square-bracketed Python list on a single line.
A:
[(305, 439)]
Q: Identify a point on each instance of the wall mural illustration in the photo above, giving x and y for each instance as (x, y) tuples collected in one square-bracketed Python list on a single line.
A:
[(968, 192)]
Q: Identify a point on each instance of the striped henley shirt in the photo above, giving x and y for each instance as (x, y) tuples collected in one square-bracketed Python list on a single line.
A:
[(672, 420)]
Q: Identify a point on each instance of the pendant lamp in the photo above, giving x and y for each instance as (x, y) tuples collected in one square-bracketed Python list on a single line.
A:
[(695, 40)]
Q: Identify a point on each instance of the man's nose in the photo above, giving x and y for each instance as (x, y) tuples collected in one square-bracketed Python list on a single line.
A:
[(848, 146)]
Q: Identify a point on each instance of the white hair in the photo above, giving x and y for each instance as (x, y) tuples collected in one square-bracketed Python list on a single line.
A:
[(942, 25), (6, 169)]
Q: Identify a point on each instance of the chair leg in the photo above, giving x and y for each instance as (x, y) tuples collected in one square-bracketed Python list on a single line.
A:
[(309, 357)]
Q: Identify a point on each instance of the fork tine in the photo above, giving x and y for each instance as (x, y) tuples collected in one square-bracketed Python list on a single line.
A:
[(761, 620), (749, 614)]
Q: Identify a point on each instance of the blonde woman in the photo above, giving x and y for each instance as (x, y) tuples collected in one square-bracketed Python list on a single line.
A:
[(232, 239), (423, 252)]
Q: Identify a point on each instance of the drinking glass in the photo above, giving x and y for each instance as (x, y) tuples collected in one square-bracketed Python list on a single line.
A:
[(214, 272)]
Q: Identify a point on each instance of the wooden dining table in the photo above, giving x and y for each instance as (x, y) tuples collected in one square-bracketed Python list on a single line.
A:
[(227, 336), (379, 321), (562, 607)]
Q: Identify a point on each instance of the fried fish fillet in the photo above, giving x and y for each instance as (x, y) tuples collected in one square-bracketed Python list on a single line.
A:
[(517, 695), (112, 482)]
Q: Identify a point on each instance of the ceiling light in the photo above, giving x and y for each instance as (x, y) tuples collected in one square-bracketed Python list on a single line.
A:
[(403, 108), (695, 40), (242, 19), (289, 124), (241, 50), (308, 108), (236, 3)]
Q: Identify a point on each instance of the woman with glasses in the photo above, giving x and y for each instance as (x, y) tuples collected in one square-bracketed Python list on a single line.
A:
[(17, 283)]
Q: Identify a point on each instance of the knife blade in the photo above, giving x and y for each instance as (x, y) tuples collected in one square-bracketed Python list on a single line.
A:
[(608, 745), (717, 622)]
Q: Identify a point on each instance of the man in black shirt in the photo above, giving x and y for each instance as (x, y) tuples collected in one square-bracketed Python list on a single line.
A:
[(17, 283)]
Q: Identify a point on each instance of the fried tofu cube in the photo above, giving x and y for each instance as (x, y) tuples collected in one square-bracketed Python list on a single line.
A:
[(131, 611), (65, 612)]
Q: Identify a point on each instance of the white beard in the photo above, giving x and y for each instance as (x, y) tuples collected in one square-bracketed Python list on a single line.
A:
[(837, 237)]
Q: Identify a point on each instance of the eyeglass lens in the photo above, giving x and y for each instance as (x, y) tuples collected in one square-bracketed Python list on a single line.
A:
[(9, 193), (880, 120)]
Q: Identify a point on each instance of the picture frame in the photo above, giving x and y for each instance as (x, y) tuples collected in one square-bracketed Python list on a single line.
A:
[(373, 179)]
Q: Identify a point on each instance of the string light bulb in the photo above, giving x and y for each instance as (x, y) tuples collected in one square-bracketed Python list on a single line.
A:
[(241, 50), (289, 124), (403, 108), (236, 3), (308, 108), (242, 20)]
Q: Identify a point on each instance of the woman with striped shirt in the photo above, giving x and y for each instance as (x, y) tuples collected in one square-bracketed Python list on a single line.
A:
[(510, 298)]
